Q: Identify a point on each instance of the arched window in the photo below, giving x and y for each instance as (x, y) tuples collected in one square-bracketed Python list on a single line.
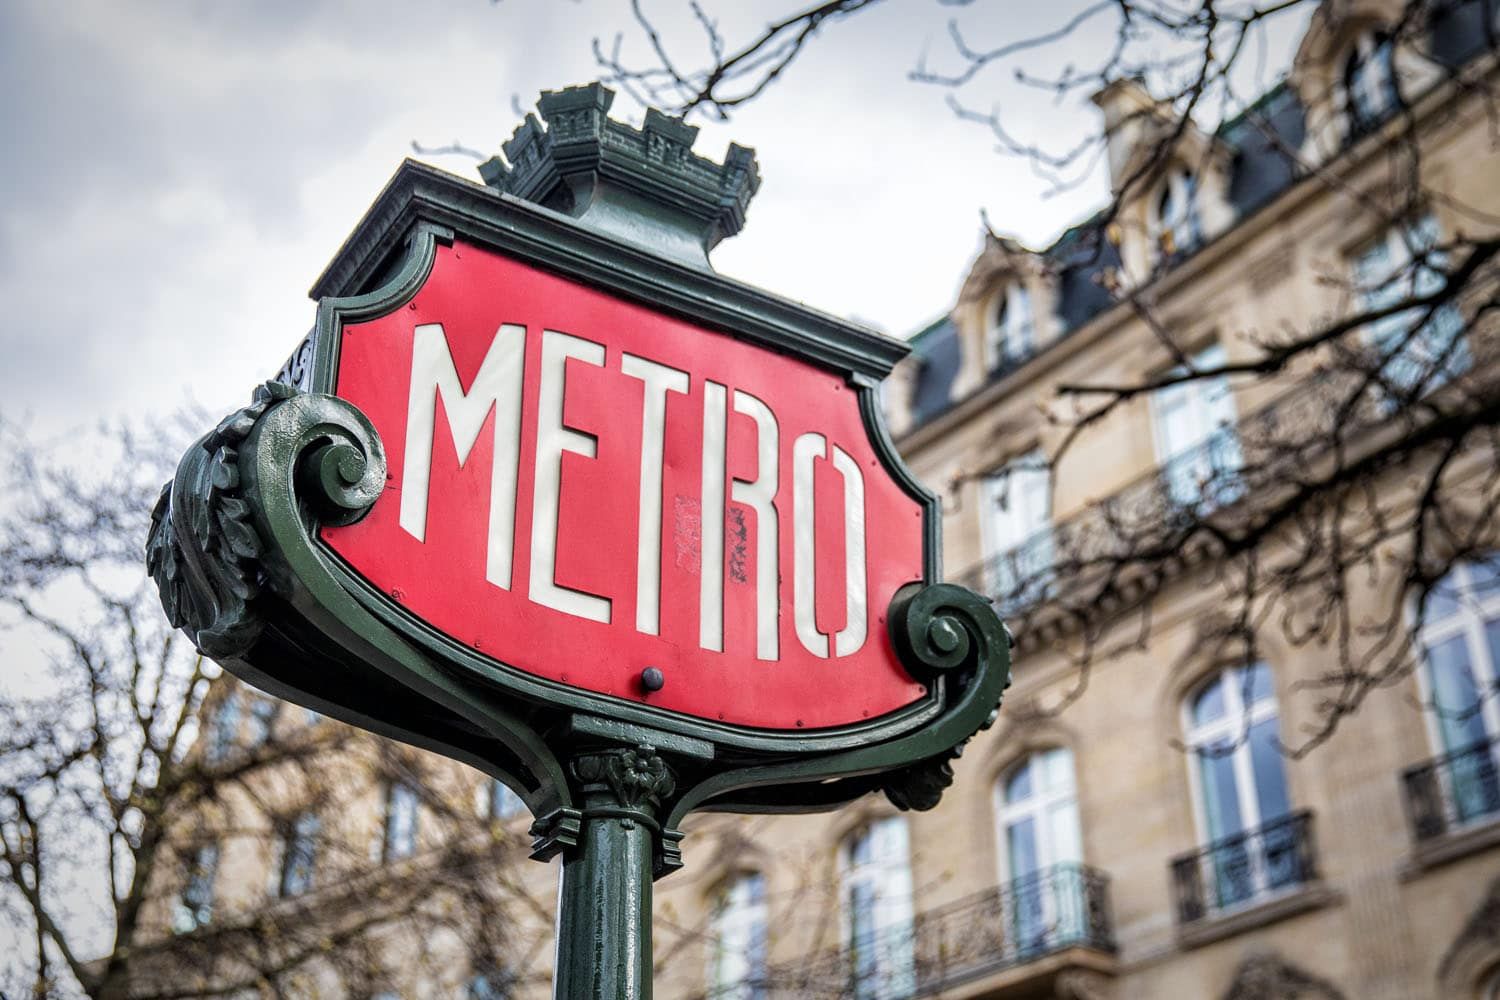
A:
[(1011, 331), (1402, 264), (878, 910), (296, 852), (499, 802), (1232, 731), (1461, 643), (402, 805), (1037, 805), (1197, 440), (1016, 501), (225, 727), (1369, 81), (737, 956), (194, 906), (1240, 787), (1178, 230)]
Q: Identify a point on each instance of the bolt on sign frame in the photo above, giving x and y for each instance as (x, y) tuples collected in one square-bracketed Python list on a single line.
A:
[(544, 493)]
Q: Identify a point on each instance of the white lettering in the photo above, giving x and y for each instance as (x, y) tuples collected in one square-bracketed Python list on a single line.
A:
[(658, 379), (498, 387), (711, 545), (759, 495), (856, 600), (552, 439), (804, 595)]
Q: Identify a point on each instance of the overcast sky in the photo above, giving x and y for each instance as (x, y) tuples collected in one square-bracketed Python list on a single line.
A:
[(177, 173)]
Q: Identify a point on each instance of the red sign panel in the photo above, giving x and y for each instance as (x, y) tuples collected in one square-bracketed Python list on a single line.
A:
[(582, 488)]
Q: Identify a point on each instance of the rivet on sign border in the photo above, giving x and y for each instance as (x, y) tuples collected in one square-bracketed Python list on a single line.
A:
[(652, 679)]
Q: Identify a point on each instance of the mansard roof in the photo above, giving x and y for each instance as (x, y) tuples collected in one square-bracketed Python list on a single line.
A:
[(1264, 141)]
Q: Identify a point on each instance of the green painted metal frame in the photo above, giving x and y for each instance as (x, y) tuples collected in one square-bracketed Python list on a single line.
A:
[(235, 552)]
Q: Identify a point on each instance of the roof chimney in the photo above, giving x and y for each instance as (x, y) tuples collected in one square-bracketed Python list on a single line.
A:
[(1128, 108)]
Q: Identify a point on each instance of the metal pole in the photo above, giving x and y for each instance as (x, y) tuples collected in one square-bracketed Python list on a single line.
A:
[(604, 919)]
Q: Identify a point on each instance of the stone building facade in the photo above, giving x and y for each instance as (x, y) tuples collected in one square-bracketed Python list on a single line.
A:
[(1137, 831)]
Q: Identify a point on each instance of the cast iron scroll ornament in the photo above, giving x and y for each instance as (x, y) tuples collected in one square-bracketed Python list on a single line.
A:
[(936, 630), (205, 550)]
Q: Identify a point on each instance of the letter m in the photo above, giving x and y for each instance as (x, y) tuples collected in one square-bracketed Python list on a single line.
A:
[(497, 387)]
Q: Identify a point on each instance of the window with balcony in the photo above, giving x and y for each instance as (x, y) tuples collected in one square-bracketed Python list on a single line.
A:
[(1461, 684), (1010, 333), (878, 911), (194, 906), (1369, 82), (1256, 846), (738, 935), (263, 712), (224, 728), (401, 806), (1041, 853), (501, 803), (297, 845), (1179, 229), (1017, 530), (1423, 348), (1197, 443)]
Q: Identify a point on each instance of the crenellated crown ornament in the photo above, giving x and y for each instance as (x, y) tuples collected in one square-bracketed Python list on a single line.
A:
[(608, 174)]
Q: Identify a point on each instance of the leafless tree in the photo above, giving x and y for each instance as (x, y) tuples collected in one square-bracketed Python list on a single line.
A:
[(168, 832), (1379, 458)]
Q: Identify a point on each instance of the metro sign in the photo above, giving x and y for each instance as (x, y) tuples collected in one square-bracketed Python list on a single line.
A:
[(543, 492), (581, 487)]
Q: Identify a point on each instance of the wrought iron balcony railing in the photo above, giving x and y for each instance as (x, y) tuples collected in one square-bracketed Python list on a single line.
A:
[(1187, 486), (1060, 907), (1268, 452), (1453, 791), (1246, 868), (1049, 911)]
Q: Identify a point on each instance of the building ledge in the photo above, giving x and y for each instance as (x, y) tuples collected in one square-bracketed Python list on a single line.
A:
[(1029, 979), (1310, 896), (1451, 846)]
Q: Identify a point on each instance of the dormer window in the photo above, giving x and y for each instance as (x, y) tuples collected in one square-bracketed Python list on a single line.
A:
[(1178, 228), (1369, 82), (1011, 332)]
